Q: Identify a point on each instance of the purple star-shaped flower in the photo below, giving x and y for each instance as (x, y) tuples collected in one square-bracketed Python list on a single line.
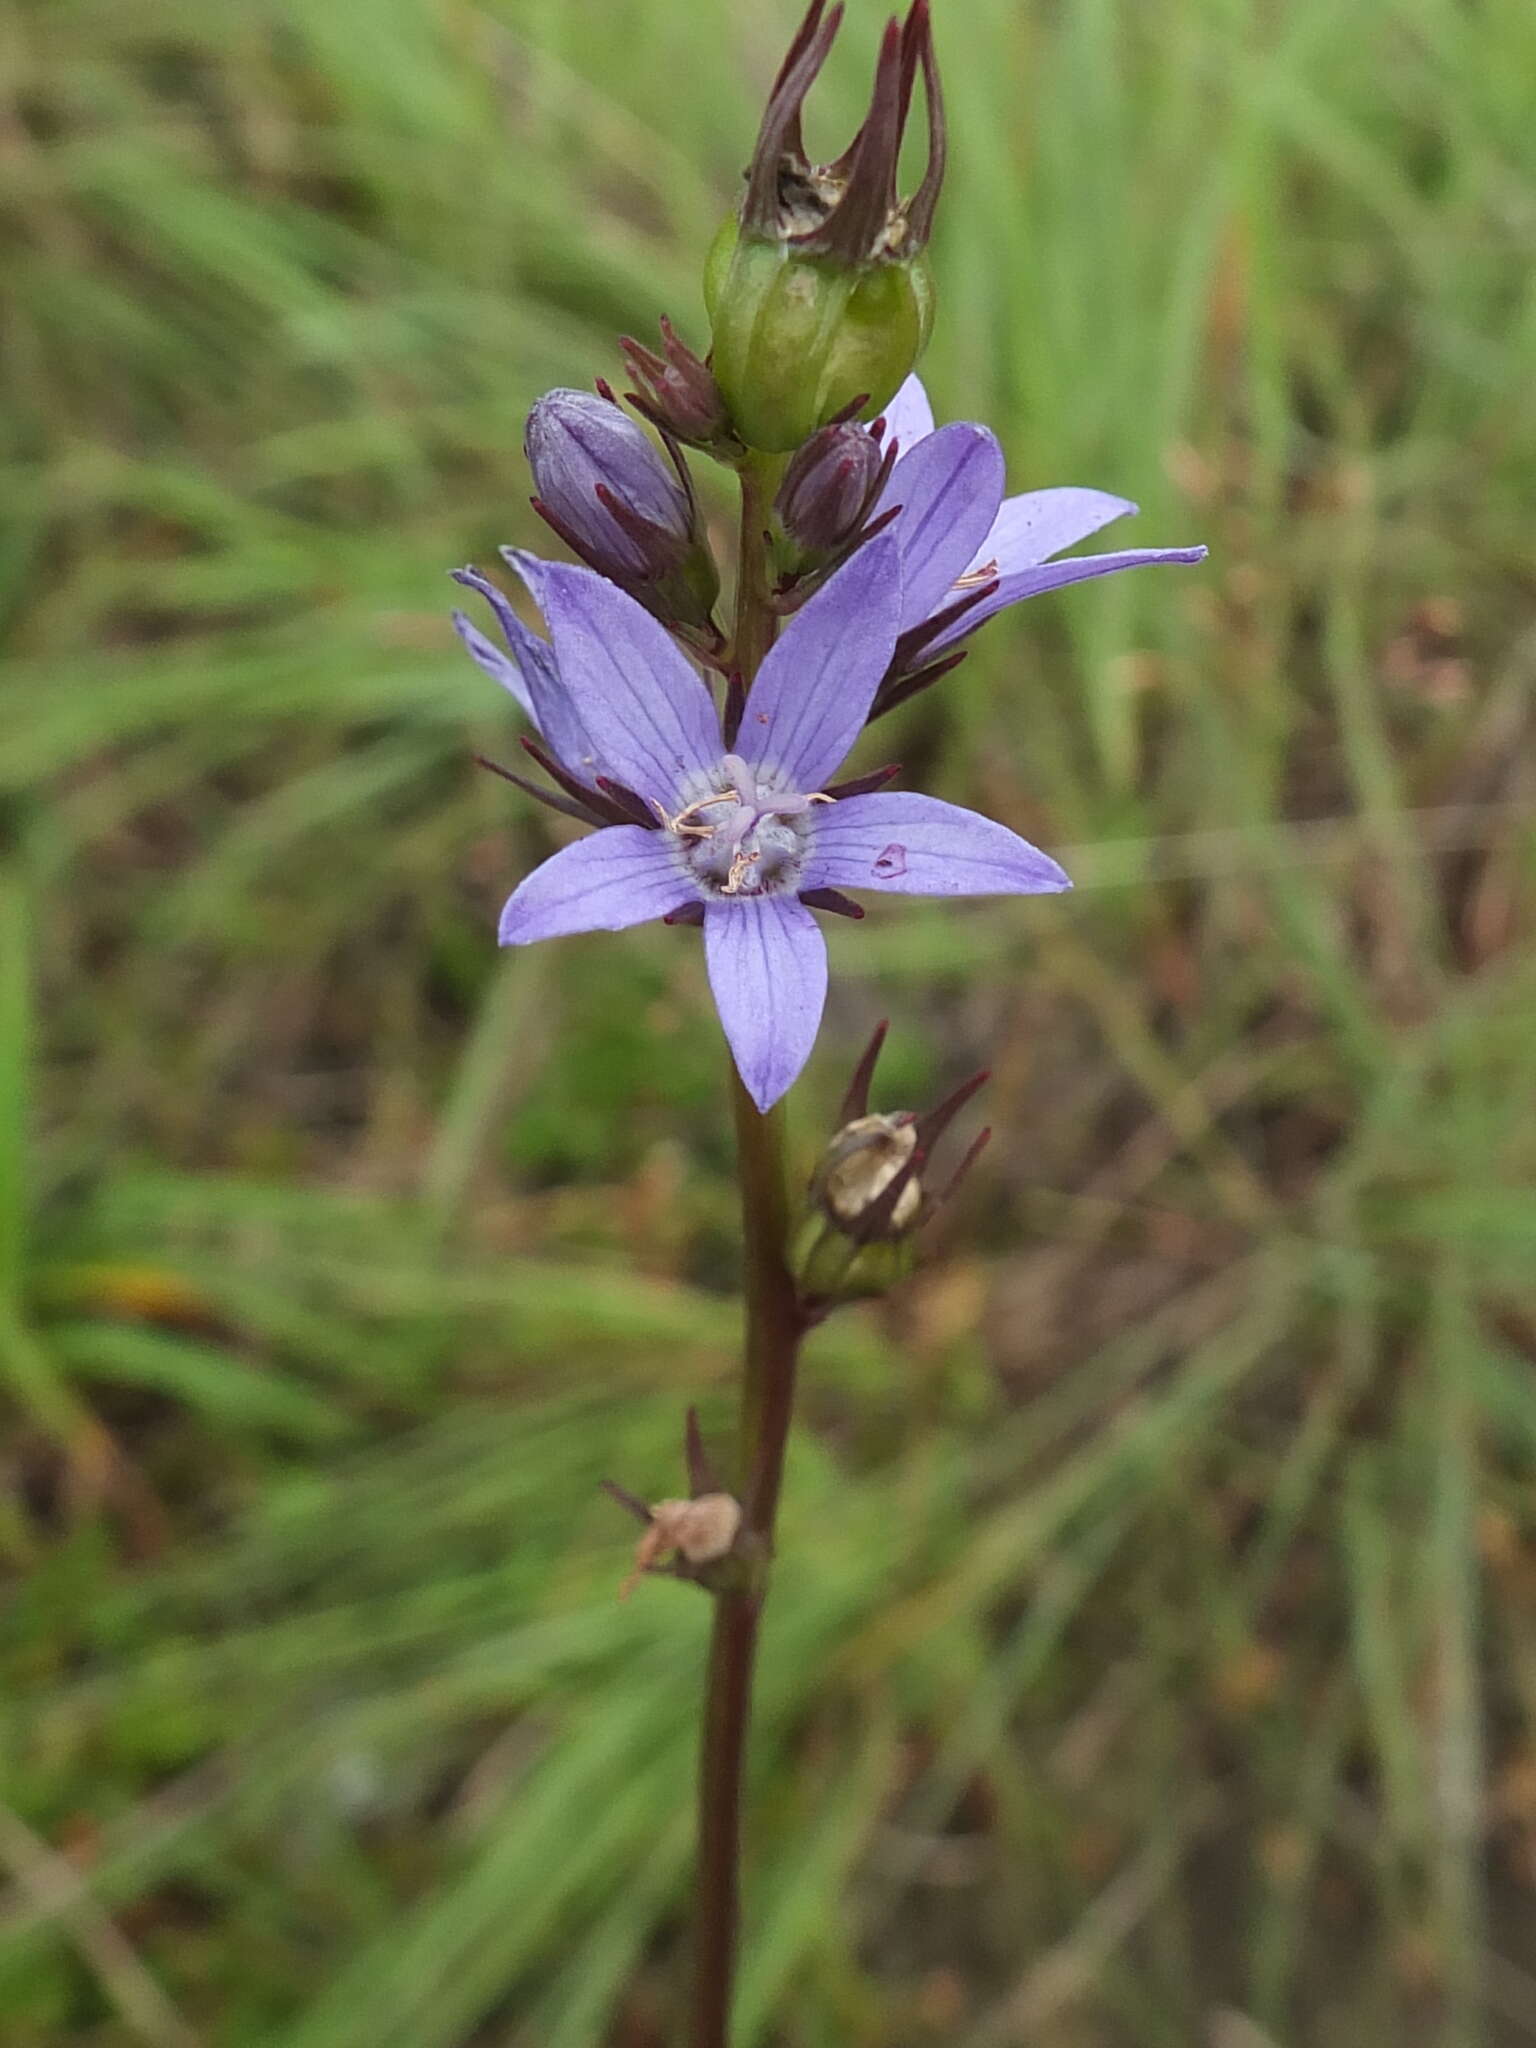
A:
[(745, 829), (962, 539)]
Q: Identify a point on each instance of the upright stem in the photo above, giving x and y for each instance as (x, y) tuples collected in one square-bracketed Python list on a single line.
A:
[(774, 1327), (755, 620)]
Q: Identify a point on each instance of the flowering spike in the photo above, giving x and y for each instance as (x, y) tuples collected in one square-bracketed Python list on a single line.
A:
[(746, 827), (856, 1101)]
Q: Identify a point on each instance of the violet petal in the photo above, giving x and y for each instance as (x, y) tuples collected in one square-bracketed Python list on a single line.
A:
[(498, 666), (615, 878), (1055, 576), (649, 716), (813, 691), (909, 417), (1038, 524), (542, 695), (949, 489), (767, 967), (918, 846)]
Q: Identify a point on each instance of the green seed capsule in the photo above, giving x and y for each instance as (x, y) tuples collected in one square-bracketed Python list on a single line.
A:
[(797, 339), (818, 288)]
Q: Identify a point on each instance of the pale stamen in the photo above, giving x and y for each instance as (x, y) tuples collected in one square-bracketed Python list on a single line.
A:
[(755, 848), (742, 864), (680, 824)]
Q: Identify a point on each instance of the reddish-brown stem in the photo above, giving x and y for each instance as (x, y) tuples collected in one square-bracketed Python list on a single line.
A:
[(774, 1328)]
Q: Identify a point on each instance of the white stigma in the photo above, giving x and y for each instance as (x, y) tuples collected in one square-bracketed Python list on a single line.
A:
[(746, 836)]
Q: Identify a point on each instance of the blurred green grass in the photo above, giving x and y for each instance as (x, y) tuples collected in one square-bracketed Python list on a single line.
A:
[(1154, 1654)]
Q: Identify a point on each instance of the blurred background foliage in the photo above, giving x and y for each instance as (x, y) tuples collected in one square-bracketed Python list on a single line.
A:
[(1153, 1659)]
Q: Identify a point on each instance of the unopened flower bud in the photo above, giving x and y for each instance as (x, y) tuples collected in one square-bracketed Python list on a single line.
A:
[(819, 292), (608, 494), (826, 495), (679, 393)]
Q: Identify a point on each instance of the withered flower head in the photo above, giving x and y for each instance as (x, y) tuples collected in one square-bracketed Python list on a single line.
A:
[(869, 1200), (848, 210), (819, 292), (698, 1531)]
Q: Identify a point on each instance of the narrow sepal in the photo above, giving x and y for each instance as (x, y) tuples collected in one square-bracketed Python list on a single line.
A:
[(856, 1100), (832, 900), (568, 807)]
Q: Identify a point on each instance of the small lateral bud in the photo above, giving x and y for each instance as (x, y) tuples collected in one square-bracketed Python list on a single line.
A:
[(827, 493), (698, 1534), (870, 1201), (615, 503), (678, 393)]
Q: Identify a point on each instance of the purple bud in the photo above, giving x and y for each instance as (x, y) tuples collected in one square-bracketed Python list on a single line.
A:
[(581, 448), (828, 489), (613, 501)]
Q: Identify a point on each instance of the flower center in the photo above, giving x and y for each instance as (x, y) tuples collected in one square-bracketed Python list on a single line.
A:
[(744, 836)]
